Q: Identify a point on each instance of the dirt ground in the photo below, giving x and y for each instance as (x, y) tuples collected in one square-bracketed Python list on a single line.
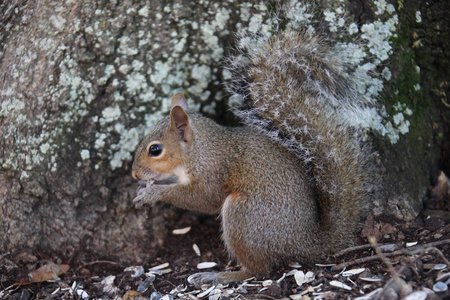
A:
[(413, 265)]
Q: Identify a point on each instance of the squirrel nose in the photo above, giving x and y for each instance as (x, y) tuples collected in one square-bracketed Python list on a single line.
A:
[(134, 175)]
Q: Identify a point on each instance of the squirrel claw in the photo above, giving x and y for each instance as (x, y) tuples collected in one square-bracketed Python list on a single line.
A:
[(199, 279), (139, 201), (142, 185)]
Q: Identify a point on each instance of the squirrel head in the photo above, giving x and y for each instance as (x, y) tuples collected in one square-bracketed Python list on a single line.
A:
[(161, 156)]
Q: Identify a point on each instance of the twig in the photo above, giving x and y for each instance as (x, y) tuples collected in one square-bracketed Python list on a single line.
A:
[(411, 250), (351, 249), (96, 262), (360, 247), (427, 245), (383, 258), (4, 254), (399, 286), (358, 261), (387, 262), (261, 296), (438, 252)]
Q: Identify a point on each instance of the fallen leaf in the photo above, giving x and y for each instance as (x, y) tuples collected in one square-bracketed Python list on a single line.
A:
[(371, 228), (131, 295), (47, 272)]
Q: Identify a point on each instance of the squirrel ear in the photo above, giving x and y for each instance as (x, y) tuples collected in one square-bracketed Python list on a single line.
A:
[(179, 119), (178, 99)]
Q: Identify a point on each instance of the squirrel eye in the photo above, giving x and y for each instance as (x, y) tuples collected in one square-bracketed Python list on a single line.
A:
[(155, 150)]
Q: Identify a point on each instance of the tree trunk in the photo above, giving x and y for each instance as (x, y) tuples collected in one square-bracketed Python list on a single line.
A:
[(82, 82)]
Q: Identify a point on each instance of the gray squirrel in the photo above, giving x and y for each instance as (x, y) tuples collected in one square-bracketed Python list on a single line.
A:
[(291, 184)]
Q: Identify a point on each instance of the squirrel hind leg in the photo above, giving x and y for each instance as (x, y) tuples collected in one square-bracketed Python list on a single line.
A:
[(229, 277), (245, 241)]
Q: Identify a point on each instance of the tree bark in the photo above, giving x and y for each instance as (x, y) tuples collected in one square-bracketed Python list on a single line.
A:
[(81, 83)]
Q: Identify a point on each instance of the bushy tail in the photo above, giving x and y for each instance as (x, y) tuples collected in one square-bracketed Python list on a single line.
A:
[(295, 91)]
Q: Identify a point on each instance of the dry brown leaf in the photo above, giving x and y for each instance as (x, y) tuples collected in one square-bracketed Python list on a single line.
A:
[(131, 295), (371, 228), (46, 272)]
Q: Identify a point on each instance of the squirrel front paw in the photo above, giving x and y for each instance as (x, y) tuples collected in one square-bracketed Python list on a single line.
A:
[(151, 191), (143, 195)]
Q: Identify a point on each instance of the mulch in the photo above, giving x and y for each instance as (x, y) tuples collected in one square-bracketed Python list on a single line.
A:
[(403, 261)]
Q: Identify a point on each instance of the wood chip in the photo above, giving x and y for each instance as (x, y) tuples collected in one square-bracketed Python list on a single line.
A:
[(267, 283), (353, 272), (203, 294), (196, 249), (182, 230), (388, 247), (281, 278), (300, 278), (309, 289), (137, 271), (418, 295), (160, 267), (440, 267), (443, 277), (439, 287), (341, 285), (370, 296), (370, 279), (206, 265), (411, 244), (325, 265)]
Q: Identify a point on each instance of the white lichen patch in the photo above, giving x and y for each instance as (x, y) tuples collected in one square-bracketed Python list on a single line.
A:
[(127, 46), (110, 114), (382, 6), (58, 22), (129, 140), (85, 154), (143, 12), (44, 148), (100, 141), (199, 73), (299, 14), (400, 124), (377, 35)]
